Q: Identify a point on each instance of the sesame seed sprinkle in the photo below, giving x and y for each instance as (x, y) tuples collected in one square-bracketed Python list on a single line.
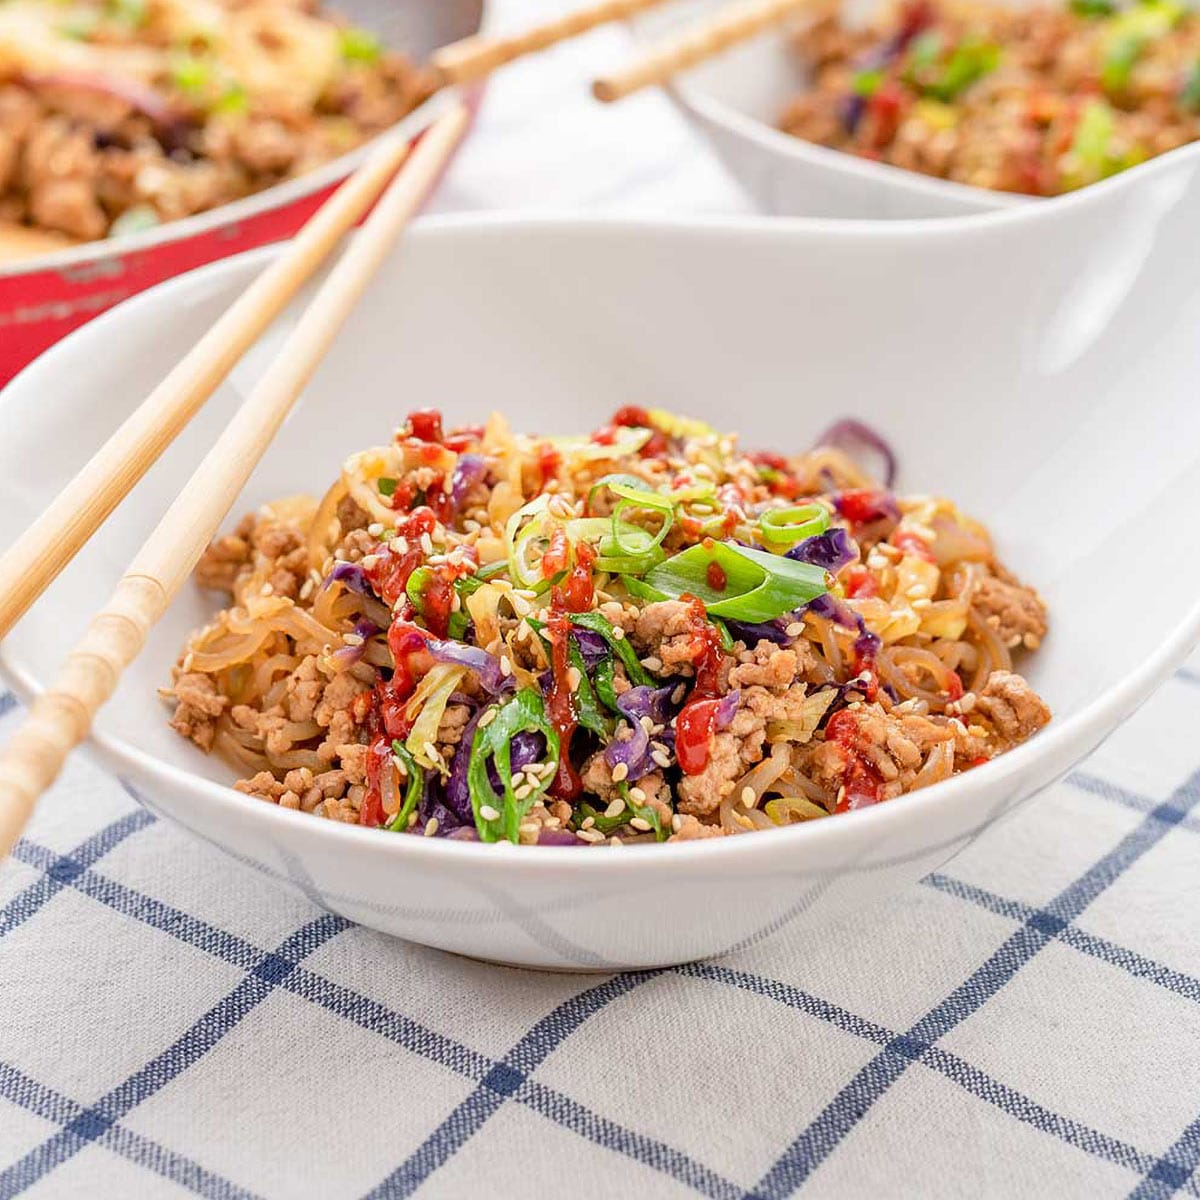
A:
[(615, 808), (488, 813), (641, 824), (488, 717), (431, 827), (619, 772)]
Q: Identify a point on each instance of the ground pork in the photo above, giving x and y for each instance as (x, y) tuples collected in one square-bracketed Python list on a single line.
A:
[(894, 745), (771, 666), (663, 632), (734, 750), (261, 546), (198, 704), (689, 829), (1011, 708), (1016, 612)]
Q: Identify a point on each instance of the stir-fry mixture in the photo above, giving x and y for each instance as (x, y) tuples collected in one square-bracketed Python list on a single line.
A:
[(641, 635), (1038, 100), (116, 115)]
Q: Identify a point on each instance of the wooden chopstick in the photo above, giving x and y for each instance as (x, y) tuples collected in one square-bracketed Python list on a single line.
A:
[(31, 564), (61, 717), (733, 24), (474, 57)]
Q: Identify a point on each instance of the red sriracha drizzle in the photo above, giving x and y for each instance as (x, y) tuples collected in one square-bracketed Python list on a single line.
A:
[(388, 575), (862, 785), (561, 708), (780, 480), (861, 584), (697, 721)]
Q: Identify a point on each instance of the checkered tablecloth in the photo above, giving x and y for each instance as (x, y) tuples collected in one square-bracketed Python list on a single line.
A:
[(1024, 1023)]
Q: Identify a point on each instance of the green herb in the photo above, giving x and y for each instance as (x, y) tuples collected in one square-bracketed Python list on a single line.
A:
[(1093, 8), (784, 527), (608, 825), (587, 710), (602, 677), (867, 83), (1129, 33), (386, 486), (969, 62), (727, 642), (601, 625), (634, 494), (413, 790), (1093, 137), (357, 45), (191, 75), (232, 101), (758, 586), (526, 711)]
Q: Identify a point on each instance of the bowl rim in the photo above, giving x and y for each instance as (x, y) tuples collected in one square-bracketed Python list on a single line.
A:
[(275, 198), (1061, 739)]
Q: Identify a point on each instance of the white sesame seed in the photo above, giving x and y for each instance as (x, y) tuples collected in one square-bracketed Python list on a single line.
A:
[(268, 589), (749, 796), (678, 694), (615, 808), (488, 717), (587, 822), (524, 790), (661, 758), (375, 528), (412, 819), (432, 751), (352, 639), (618, 633), (615, 841), (641, 824), (589, 835), (488, 813), (505, 665), (188, 659), (652, 663), (676, 823), (574, 678), (431, 826), (619, 772), (401, 768), (426, 544), (647, 723), (795, 629), (636, 793)]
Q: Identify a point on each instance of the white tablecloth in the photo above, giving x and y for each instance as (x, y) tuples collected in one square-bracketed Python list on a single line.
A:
[(1025, 1023)]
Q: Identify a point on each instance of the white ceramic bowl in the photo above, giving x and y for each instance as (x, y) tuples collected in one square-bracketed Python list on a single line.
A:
[(737, 99), (1040, 366)]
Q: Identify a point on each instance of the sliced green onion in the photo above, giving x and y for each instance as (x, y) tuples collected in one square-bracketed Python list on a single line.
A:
[(601, 625), (1093, 8), (386, 485), (492, 743), (606, 825), (491, 570), (758, 586), (784, 527), (727, 642), (413, 790), (602, 677), (357, 45), (867, 83), (637, 553), (587, 711), (641, 590), (1129, 32), (519, 538), (970, 61), (634, 493)]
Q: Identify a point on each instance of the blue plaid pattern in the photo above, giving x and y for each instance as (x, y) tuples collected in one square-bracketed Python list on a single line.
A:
[(468, 1111)]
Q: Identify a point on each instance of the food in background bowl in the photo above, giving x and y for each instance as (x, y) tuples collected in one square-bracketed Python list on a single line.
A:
[(1036, 100), (643, 634), (116, 115)]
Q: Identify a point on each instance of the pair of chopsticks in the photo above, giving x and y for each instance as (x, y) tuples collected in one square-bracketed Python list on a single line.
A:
[(474, 57), (61, 717)]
